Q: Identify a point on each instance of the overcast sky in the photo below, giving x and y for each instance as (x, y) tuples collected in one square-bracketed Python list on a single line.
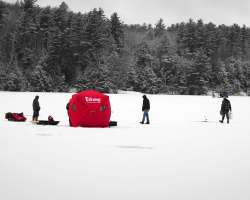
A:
[(171, 11)]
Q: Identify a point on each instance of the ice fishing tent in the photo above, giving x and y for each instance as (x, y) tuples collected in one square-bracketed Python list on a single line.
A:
[(89, 108)]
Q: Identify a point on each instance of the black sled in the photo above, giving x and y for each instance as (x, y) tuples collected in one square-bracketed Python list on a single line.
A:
[(112, 123), (46, 122)]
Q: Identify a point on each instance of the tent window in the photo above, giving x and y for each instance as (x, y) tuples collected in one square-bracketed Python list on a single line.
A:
[(102, 108), (74, 107)]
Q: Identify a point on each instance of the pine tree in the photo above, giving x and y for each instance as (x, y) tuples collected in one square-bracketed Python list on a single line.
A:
[(3, 11), (219, 78), (243, 40), (173, 74), (11, 78), (4, 33), (96, 78), (41, 81), (117, 69), (59, 53), (53, 60), (143, 55), (163, 49), (159, 28), (146, 78), (132, 83), (222, 35), (189, 39), (180, 35), (26, 35), (45, 24), (234, 41), (60, 17), (200, 35), (247, 79), (199, 74), (97, 33), (76, 48), (117, 31), (211, 42)]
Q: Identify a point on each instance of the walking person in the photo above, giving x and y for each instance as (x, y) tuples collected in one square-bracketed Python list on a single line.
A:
[(145, 109), (36, 109), (225, 109)]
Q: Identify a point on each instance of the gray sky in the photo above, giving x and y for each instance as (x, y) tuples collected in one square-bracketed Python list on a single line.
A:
[(171, 11)]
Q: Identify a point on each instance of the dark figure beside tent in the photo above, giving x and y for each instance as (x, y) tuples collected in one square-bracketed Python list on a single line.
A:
[(145, 109), (36, 109), (67, 108), (225, 108)]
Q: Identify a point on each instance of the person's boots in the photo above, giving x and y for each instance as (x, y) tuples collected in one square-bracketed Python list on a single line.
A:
[(221, 121), (228, 121), (141, 122), (147, 122)]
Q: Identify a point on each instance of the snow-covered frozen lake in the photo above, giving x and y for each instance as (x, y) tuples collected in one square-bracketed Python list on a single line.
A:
[(176, 157)]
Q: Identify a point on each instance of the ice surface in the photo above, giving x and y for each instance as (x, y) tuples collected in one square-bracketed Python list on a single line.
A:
[(176, 157)]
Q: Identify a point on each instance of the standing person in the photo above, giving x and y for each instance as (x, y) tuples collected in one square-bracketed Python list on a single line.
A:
[(145, 109), (36, 109), (67, 108), (225, 108)]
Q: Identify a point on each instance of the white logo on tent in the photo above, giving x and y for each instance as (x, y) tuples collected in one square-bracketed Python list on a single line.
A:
[(92, 100)]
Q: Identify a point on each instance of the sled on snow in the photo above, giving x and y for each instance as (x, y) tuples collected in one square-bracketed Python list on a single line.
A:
[(46, 122), (16, 117), (50, 121)]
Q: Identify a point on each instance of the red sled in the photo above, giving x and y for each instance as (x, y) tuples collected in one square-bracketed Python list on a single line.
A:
[(17, 117)]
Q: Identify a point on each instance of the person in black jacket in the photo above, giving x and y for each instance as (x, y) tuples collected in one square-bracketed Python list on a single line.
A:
[(36, 109), (225, 108), (67, 108), (145, 109)]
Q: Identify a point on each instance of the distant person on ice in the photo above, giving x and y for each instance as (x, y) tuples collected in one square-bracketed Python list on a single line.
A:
[(36, 109), (145, 109), (225, 108)]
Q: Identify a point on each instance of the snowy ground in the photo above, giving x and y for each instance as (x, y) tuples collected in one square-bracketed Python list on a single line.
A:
[(176, 157)]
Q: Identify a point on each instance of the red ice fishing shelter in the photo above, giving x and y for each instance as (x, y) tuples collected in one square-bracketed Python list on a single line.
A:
[(89, 108)]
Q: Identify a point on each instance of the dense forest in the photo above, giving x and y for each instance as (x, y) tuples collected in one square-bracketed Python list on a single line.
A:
[(55, 49)]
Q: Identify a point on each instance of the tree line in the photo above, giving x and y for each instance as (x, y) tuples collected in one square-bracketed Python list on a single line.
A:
[(55, 49)]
